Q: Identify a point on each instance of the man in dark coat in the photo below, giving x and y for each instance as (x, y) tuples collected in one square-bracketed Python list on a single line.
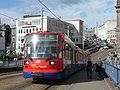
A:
[(98, 70), (89, 69)]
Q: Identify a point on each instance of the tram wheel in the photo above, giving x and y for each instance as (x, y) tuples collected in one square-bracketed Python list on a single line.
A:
[(35, 80)]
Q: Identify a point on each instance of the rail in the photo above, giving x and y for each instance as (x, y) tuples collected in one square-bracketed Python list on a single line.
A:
[(111, 66)]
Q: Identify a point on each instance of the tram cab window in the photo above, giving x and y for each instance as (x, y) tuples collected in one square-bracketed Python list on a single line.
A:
[(62, 49), (67, 47), (67, 52)]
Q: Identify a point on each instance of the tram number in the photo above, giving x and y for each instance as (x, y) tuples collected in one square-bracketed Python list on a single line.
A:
[(38, 74)]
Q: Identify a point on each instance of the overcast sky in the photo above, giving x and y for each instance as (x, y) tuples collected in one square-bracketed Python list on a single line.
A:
[(90, 11)]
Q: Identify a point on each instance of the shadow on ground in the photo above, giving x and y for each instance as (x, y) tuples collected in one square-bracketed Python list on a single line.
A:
[(78, 77)]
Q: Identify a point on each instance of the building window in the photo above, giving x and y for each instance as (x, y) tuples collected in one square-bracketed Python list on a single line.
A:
[(19, 38), (33, 29), (40, 29), (24, 30), (19, 30), (36, 29), (73, 39), (19, 46), (30, 30), (27, 30), (76, 39)]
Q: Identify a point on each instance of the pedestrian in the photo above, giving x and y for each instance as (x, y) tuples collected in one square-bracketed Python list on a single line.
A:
[(89, 68), (98, 70)]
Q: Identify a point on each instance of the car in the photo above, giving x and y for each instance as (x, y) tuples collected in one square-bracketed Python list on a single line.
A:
[(105, 47), (110, 46)]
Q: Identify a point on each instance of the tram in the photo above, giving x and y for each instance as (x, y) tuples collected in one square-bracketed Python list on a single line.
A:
[(50, 55)]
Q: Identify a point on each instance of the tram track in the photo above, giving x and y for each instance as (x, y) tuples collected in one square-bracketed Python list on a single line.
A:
[(9, 73), (19, 83), (7, 76), (21, 86), (25, 84), (28, 85), (46, 87)]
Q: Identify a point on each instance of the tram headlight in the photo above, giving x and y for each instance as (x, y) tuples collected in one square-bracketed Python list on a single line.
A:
[(26, 62), (52, 63)]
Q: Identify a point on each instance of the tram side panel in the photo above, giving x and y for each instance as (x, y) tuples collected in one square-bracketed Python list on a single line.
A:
[(67, 61), (74, 60)]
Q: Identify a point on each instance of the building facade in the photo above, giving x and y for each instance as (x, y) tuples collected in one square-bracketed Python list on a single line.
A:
[(89, 33), (118, 26), (77, 31), (32, 23), (2, 38), (13, 38), (107, 31)]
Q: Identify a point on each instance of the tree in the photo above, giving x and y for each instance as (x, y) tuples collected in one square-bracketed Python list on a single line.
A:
[(7, 35)]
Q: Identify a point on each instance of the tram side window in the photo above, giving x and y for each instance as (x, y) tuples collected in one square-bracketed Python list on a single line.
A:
[(66, 52), (62, 48), (74, 56), (80, 58), (77, 58), (71, 55)]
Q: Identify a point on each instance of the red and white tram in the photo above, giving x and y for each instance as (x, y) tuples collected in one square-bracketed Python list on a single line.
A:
[(50, 55)]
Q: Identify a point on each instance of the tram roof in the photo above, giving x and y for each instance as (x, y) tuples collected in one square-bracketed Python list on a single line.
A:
[(69, 41), (45, 32)]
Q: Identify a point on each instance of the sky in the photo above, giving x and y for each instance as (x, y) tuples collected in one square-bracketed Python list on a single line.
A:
[(92, 12)]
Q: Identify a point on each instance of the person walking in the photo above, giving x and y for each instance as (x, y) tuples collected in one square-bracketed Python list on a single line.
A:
[(89, 68), (98, 70)]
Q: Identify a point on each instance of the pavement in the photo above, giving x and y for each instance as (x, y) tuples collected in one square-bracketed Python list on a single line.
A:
[(83, 83)]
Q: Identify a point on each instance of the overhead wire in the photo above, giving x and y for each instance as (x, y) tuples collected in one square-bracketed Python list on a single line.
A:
[(7, 16), (10, 17), (49, 9), (40, 3)]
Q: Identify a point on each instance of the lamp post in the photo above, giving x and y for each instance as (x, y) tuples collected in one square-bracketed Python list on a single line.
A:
[(41, 19)]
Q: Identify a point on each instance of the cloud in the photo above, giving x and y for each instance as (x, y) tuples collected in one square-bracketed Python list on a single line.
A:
[(24, 7), (67, 2), (90, 11)]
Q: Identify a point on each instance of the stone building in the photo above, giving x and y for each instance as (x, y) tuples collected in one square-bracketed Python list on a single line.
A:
[(118, 26), (33, 23), (2, 38), (89, 33), (107, 31)]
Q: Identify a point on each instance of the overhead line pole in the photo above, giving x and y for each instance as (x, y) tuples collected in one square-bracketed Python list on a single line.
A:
[(49, 9), (41, 19)]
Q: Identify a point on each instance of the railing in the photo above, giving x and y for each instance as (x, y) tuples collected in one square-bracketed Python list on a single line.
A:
[(11, 63), (111, 66)]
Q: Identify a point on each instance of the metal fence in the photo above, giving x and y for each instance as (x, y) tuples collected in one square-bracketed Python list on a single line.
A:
[(114, 61), (111, 66), (11, 63)]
